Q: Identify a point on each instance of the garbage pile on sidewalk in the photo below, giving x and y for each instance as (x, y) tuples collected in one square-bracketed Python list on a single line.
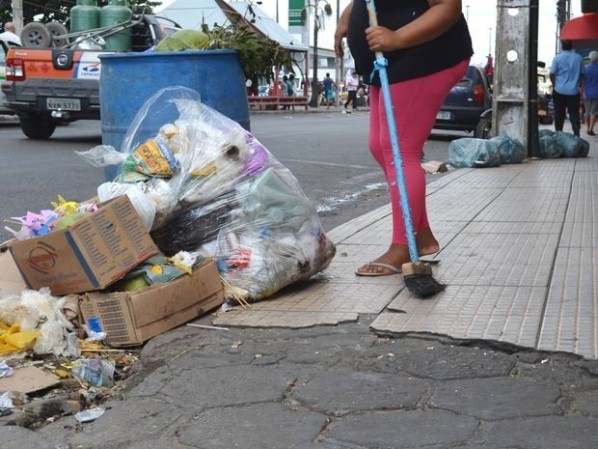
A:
[(473, 152), (200, 215)]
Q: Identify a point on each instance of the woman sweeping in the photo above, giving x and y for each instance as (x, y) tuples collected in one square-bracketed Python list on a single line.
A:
[(428, 47)]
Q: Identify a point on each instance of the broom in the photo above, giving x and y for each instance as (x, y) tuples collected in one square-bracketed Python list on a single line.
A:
[(416, 274)]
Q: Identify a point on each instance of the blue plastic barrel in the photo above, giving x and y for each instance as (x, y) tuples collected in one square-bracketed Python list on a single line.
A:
[(127, 80)]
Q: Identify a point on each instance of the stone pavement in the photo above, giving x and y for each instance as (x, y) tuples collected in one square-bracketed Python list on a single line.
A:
[(505, 358)]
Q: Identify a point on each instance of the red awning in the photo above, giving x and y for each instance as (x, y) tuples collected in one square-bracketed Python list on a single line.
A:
[(582, 31)]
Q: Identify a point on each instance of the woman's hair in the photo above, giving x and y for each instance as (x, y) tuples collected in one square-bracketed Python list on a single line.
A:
[(593, 56)]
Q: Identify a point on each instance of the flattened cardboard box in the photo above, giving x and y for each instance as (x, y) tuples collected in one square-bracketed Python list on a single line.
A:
[(130, 318), (89, 255)]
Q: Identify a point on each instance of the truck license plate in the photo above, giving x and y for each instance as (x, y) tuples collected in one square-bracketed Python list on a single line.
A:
[(443, 115), (65, 104)]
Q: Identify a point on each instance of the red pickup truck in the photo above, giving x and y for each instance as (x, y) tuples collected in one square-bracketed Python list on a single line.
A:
[(48, 86)]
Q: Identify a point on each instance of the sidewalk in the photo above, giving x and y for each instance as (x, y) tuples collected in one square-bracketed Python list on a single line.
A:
[(519, 256), (504, 358)]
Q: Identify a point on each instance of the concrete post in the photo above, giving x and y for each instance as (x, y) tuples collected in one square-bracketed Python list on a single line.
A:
[(511, 107)]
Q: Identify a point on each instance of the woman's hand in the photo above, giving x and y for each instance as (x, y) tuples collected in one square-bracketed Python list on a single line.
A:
[(382, 39)]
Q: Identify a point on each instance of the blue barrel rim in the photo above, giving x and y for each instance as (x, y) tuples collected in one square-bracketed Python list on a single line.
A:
[(216, 51)]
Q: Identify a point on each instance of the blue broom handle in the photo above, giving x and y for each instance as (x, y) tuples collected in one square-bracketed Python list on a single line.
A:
[(380, 65)]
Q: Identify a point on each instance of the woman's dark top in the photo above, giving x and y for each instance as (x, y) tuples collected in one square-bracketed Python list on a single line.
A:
[(424, 59)]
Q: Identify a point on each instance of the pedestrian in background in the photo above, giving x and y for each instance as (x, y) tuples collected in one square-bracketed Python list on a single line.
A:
[(428, 48), (10, 34), (352, 86), (566, 74), (590, 92), (328, 90)]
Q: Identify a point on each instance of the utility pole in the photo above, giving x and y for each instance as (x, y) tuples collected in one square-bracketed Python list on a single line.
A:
[(514, 100), (17, 14), (318, 13), (337, 61)]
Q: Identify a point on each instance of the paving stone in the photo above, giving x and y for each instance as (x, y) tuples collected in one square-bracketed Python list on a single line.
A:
[(224, 386), (403, 429), (433, 360), (586, 403), (122, 422), (496, 398), (551, 432), (340, 392), (264, 426), (13, 437)]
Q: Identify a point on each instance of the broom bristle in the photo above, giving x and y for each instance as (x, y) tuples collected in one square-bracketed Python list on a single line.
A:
[(423, 285), (419, 280)]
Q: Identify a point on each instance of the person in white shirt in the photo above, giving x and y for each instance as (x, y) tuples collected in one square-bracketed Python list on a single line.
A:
[(352, 86), (10, 34)]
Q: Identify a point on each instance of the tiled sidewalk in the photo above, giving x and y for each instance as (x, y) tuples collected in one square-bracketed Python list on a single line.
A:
[(519, 257)]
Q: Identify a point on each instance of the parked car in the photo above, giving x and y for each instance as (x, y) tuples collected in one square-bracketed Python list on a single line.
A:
[(4, 109), (466, 102)]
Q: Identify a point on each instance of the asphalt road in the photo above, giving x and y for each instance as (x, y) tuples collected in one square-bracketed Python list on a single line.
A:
[(327, 153)]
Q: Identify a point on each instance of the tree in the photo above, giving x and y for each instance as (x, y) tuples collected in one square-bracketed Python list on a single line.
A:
[(59, 10)]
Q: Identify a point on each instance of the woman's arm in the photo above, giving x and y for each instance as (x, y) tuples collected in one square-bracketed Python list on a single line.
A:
[(341, 30), (441, 16)]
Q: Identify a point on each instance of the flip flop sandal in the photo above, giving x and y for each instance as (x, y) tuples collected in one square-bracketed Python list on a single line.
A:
[(430, 261), (393, 270)]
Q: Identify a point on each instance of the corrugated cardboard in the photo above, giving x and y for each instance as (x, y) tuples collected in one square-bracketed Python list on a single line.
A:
[(130, 318), (10, 278), (89, 255)]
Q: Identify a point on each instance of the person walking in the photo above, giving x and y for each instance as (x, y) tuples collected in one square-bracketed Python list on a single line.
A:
[(566, 74), (10, 34), (328, 90), (590, 92), (352, 86), (428, 48)]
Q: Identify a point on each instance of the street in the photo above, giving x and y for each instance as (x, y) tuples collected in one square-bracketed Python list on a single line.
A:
[(326, 152)]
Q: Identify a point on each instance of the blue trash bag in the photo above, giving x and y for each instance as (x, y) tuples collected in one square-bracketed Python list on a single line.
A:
[(471, 152), (550, 147), (545, 132), (511, 151), (572, 145)]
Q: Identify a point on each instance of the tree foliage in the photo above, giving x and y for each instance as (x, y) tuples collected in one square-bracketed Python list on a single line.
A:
[(59, 10)]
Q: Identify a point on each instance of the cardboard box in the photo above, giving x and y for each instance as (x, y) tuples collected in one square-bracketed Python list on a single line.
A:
[(89, 255), (10, 278), (130, 318)]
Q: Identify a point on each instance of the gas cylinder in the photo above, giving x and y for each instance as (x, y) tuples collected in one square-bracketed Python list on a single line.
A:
[(114, 13), (85, 16)]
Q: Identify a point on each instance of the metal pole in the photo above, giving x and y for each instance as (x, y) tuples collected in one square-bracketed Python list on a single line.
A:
[(533, 144), (490, 41), (313, 102), (467, 13), (337, 61)]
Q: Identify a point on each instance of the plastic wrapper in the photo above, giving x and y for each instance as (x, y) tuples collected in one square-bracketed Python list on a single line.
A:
[(472, 152), (511, 151), (219, 191)]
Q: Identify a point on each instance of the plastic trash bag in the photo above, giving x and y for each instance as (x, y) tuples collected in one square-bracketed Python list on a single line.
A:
[(217, 190), (550, 148), (572, 145), (511, 151), (472, 152)]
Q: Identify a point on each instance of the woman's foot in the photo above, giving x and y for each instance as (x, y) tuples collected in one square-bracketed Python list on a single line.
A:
[(388, 263), (391, 261), (426, 242)]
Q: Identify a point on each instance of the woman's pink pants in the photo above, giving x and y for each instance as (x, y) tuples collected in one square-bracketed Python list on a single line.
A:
[(416, 103)]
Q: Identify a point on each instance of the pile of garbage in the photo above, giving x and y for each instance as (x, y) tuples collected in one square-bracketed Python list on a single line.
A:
[(224, 219), (477, 153)]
